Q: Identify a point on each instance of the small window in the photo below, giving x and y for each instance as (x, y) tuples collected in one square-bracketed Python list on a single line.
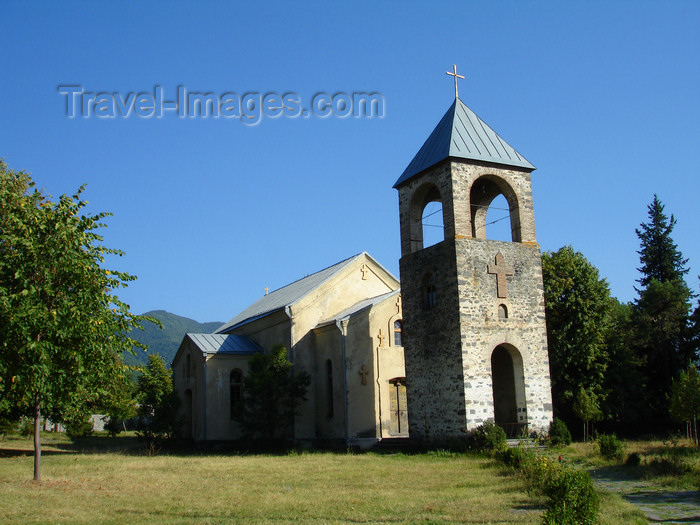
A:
[(188, 367), (398, 325), (329, 389), (429, 291), (236, 392), (502, 311)]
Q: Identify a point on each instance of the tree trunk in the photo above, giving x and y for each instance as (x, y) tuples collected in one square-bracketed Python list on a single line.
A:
[(37, 439)]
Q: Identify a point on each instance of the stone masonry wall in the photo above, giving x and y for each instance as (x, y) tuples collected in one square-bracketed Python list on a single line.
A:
[(448, 347)]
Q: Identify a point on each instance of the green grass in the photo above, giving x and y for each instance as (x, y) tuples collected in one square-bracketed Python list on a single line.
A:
[(104, 480), (673, 465)]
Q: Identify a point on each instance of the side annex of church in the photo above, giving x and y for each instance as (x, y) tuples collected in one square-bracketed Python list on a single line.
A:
[(460, 340)]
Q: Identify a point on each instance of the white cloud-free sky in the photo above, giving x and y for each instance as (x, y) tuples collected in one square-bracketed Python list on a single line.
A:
[(602, 97)]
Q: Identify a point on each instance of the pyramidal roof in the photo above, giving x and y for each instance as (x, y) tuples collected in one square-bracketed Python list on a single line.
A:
[(462, 135)]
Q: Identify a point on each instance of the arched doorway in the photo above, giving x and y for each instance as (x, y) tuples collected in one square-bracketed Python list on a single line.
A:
[(509, 407)]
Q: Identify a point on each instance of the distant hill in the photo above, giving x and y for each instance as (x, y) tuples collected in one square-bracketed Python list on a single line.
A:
[(165, 342)]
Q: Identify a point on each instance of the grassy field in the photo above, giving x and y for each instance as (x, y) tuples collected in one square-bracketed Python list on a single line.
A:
[(106, 480), (673, 464)]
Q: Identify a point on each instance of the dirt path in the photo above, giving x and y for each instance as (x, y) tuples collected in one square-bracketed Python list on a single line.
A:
[(658, 504)]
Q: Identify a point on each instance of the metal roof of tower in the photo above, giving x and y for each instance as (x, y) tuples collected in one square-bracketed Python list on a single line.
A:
[(461, 134)]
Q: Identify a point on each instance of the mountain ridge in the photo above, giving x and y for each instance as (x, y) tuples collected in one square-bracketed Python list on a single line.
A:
[(165, 342)]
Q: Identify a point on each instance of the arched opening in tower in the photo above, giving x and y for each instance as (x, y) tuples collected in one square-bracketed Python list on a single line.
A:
[(494, 210), (508, 389)]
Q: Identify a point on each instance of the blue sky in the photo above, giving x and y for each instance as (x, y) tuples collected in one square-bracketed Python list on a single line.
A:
[(602, 97)]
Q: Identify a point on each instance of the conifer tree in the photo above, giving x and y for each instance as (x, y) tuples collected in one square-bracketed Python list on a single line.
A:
[(659, 255), (663, 335)]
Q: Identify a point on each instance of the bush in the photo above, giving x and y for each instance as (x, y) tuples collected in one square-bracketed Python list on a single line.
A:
[(26, 427), (559, 434), (571, 497), (610, 447), (514, 457), (78, 426), (486, 437), (114, 426), (633, 460)]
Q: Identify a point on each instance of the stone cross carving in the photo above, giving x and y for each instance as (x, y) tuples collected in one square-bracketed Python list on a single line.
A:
[(381, 338), (398, 304), (501, 271), (364, 271), (363, 372), (267, 290), (454, 74)]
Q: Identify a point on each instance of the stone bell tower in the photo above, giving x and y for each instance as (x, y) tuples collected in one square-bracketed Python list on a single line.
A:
[(475, 338)]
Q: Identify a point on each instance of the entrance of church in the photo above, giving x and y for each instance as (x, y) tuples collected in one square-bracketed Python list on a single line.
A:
[(399, 412), (506, 390)]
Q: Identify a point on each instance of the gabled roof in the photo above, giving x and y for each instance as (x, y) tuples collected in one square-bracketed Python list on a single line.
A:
[(224, 344), (359, 307), (290, 294), (462, 135)]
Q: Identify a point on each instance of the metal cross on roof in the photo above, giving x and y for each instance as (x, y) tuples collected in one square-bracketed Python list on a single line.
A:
[(454, 74)]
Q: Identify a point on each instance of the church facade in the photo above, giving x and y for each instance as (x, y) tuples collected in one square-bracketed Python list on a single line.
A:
[(341, 325), (460, 340)]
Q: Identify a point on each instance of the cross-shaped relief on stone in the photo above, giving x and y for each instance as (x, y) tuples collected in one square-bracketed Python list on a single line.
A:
[(398, 304), (501, 271), (364, 271), (381, 337), (363, 372)]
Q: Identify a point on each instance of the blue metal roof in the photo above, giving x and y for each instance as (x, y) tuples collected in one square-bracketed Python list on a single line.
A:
[(463, 135), (224, 344)]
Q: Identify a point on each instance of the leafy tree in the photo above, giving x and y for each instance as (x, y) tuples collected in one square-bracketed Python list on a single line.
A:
[(663, 331), (586, 409), (271, 395), (685, 400), (62, 327), (120, 405), (578, 305), (159, 402), (624, 383)]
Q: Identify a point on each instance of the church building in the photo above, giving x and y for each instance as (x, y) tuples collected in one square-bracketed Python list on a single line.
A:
[(460, 340), (342, 325)]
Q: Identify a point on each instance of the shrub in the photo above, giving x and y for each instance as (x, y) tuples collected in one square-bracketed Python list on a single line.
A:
[(486, 437), (610, 447), (26, 427), (78, 426), (633, 460), (559, 434), (514, 457), (571, 497)]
